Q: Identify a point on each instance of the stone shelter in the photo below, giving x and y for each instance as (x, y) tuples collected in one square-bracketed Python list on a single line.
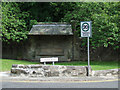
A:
[(44, 40), (51, 40)]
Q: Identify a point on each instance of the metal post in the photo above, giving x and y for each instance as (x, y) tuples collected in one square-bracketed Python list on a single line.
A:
[(88, 58), (53, 63), (44, 63)]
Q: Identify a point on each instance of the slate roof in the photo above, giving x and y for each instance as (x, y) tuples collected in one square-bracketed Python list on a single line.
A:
[(51, 29)]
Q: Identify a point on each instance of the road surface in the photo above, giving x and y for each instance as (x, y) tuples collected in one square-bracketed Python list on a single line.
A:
[(55, 82), (47, 84)]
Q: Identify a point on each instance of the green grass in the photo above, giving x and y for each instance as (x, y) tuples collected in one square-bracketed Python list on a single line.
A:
[(96, 65), (7, 63)]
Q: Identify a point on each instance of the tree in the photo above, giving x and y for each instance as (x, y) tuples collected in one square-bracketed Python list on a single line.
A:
[(105, 22), (14, 25), (17, 19)]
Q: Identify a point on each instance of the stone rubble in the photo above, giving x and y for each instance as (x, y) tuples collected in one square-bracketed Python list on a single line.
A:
[(110, 72), (49, 70), (59, 71)]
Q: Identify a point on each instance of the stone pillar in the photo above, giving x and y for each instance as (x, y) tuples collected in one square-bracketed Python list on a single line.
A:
[(73, 22)]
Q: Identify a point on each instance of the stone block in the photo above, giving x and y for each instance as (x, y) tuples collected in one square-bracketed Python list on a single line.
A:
[(110, 72), (49, 70)]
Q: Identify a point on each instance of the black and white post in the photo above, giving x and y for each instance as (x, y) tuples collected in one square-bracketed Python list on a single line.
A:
[(86, 31)]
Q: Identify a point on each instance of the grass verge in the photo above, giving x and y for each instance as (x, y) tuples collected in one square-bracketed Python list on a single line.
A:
[(96, 65), (7, 63)]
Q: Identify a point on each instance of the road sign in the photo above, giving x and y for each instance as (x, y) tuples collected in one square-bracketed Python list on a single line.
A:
[(86, 29)]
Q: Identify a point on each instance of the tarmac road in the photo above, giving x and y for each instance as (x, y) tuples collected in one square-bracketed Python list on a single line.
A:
[(108, 84), (55, 82)]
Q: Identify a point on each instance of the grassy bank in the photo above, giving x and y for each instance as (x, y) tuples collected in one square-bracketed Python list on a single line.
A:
[(96, 65)]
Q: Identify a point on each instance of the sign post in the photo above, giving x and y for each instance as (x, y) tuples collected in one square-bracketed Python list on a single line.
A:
[(86, 31), (52, 59)]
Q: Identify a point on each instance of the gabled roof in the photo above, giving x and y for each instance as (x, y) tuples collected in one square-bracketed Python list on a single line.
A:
[(51, 29)]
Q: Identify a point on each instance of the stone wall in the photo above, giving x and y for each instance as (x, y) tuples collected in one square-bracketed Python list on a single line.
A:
[(40, 46), (110, 72), (59, 71), (49, 70), (58, 46), (98, 54), (51, 46)]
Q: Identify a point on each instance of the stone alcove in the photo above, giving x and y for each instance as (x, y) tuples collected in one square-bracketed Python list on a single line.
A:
[(51, 40)]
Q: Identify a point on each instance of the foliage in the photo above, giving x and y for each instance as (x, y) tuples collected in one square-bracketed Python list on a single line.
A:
[(60, 9), (106, 26), (14, 24), (17, 19), (0, 21), (105, 22), (41, 12)]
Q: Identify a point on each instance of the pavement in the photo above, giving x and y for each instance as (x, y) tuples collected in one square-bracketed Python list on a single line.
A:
[(7, 78)]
